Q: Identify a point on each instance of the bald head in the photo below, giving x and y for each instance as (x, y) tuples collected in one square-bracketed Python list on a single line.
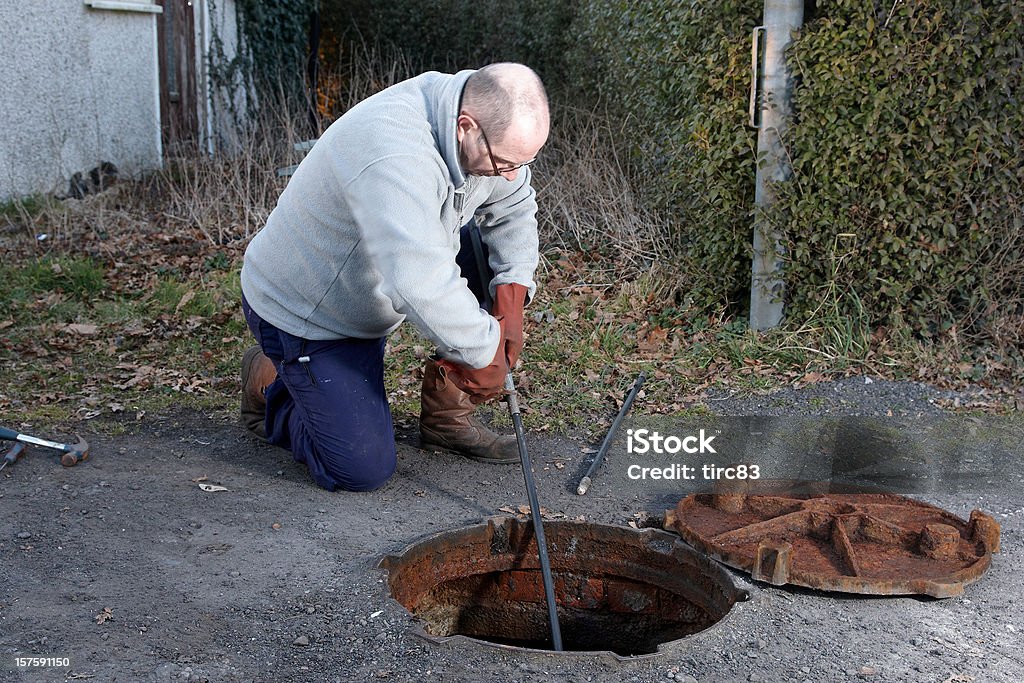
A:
[(507, 98)]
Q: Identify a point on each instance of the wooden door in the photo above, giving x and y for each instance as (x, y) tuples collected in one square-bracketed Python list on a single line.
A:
[(179, 118)]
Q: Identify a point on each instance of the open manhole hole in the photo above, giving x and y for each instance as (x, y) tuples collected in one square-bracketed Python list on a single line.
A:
[(617, 589)]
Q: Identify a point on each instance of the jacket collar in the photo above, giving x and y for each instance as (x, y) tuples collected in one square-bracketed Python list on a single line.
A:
[(447, 101)]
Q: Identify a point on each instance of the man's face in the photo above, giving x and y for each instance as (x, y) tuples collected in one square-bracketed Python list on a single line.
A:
[(481, 156)]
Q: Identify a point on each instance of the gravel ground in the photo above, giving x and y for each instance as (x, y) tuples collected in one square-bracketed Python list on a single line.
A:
[(124, 567)]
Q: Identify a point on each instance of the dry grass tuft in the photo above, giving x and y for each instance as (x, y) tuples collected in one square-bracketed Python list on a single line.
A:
[(587, 201)]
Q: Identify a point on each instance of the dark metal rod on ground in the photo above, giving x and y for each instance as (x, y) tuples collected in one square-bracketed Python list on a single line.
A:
[(585, 481), (538, 524)]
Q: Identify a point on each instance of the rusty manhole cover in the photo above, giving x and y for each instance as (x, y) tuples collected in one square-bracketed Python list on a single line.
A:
[(873, 543), (617, 589)]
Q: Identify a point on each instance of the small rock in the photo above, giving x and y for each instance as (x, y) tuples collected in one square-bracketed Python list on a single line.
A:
[(866, 672), (301, 641), (805, 669), (754, 677), (310, 610), (685, 678), (236, 574)]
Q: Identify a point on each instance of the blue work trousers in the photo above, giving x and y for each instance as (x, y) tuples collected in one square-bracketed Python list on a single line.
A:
[(328, 405)]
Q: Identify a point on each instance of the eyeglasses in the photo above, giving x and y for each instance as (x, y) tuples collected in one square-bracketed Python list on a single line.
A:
[(494, 163)]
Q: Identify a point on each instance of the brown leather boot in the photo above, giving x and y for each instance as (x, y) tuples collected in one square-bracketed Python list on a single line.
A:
[(258, 372), (446, 422)]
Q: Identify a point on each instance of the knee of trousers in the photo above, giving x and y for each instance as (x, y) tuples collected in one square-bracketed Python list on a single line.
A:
[(363, 468)]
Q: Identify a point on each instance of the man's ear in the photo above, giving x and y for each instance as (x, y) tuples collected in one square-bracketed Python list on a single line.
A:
[(463, 124)]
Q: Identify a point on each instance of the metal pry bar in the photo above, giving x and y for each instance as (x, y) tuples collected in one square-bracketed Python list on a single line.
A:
[(538, 524), (585, 481)]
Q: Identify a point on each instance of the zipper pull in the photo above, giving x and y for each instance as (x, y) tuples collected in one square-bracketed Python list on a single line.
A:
[(304, 362)]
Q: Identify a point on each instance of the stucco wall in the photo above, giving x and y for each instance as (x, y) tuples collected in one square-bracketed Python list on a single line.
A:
[(77, 86)]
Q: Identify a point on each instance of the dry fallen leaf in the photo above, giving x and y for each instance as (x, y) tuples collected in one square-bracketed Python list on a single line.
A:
[(506, 508), (812, 378), (84, 329), (199, 479), (106, 615), (186, 297)]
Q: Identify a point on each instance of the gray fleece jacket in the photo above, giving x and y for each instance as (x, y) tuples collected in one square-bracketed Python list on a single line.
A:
[(366, 232)]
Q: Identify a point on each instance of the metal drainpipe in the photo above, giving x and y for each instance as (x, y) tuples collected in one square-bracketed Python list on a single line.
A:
[(770, 110)]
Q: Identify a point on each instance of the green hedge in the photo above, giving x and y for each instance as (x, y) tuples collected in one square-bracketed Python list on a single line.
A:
[(905, 205), (679, 73), (274, 45), (908, 136), (457, 34)]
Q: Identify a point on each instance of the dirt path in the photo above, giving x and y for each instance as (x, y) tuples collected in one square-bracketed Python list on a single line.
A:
[(232, 585)]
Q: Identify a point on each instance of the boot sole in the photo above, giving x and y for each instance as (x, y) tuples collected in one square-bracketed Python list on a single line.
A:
[(428, 445)]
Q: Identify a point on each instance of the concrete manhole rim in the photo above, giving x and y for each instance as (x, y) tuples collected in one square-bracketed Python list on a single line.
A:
[(649, 537)]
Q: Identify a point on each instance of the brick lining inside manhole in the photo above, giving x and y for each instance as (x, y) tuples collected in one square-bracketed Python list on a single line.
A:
[(617, 589)]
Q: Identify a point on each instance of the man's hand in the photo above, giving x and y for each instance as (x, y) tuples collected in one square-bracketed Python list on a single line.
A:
[(489, 382), (509, 300)]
